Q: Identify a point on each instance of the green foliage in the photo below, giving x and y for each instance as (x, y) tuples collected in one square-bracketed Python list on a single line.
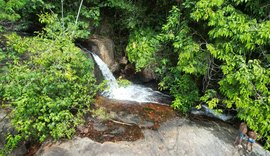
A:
[(141, 47), (11, 144), (217, 48), (24, 13), (191, 58), (2, 55), (210, 98), (121, 4), (55, 29), (240, 42), (8, 9), (49, 84), (183, 88), (222, 44), (148, 48), (123, 82)]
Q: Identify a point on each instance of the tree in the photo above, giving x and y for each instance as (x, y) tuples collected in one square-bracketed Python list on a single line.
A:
[(240, 41), (220, 47)]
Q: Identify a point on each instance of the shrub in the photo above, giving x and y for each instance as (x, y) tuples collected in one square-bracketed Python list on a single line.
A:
[(49, 84)]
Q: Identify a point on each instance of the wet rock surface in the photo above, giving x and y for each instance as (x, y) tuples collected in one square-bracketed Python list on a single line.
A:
[(143, 129), (145, 115), (126, 120), (111, 130), (178, 136)]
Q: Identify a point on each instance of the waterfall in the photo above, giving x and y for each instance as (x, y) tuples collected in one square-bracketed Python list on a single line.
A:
[(131, 92), (140, 93), (112, 83)]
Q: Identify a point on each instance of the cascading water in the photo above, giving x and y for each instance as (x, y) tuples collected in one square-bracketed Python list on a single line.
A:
[(112, 83), (131, 92), (140, 93)]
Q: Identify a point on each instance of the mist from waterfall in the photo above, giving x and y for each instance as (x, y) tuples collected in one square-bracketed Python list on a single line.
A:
[(131, 92)]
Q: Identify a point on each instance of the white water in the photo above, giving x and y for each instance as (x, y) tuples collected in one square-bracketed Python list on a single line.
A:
[(137, 93), (106, 72), (211, 113), (140, 93), (131, 92)]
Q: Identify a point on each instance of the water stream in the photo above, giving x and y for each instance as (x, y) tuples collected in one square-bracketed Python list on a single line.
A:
[(133, 92), (140, 93), (107, 74)]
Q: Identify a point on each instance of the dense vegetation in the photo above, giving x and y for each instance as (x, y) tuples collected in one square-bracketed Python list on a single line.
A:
[(47, 82), (203, 51)]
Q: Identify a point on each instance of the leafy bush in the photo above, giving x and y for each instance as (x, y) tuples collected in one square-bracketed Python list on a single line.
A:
[(141, 47), (240, 42), (183, 88), (219, 46), (25, 14), (49, 84), (174, 55)]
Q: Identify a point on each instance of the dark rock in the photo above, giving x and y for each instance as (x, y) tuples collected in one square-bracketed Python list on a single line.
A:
[(104, 48), (123, 61), (4, 126), (129, 70), (100, 127), (128, 118), (118, 131), (114, 67), (147, 75), (105, 28)]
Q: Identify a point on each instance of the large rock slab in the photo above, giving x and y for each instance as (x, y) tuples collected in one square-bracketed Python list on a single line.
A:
[(177, 136), (104, 48)]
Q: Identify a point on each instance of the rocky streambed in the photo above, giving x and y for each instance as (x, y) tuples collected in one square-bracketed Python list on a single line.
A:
[(143, 129), (148, 129)]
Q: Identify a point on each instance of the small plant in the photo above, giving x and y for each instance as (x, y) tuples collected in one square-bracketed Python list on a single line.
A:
[(123, 82), (100, 113)]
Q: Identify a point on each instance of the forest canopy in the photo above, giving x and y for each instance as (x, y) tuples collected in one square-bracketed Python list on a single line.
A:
[(213, 52)]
